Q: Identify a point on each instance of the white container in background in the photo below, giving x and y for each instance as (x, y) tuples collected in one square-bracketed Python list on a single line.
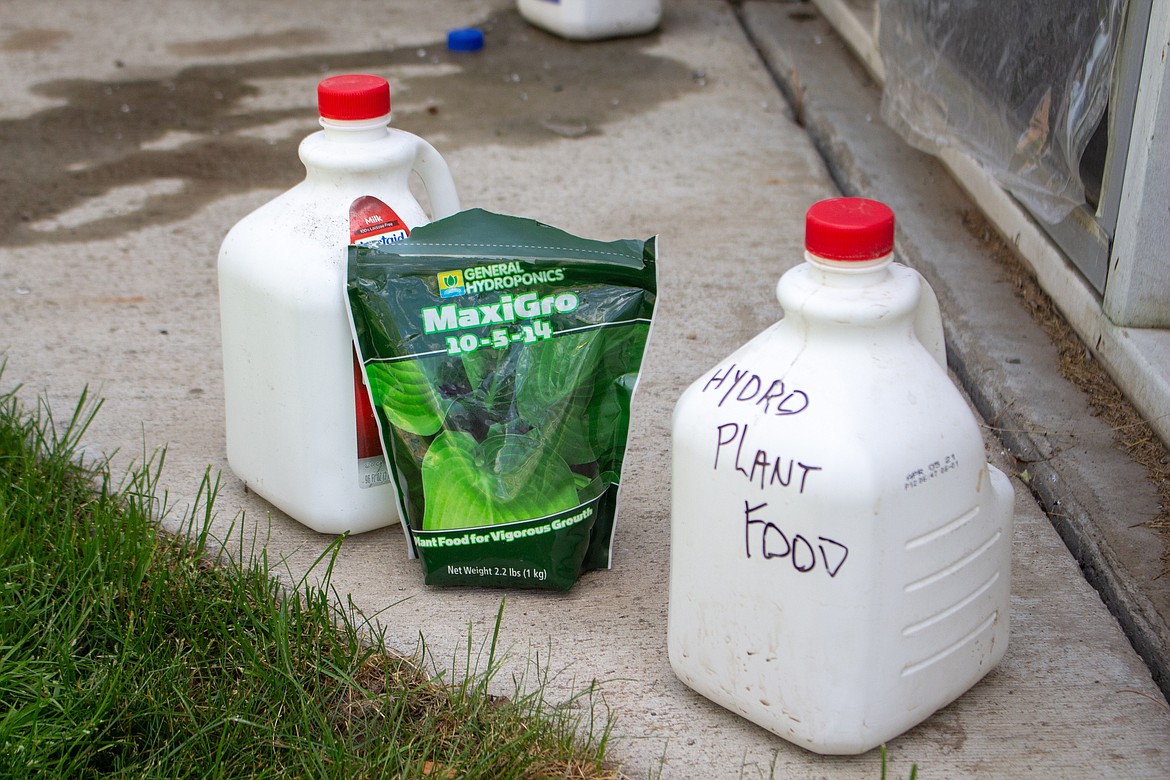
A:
[(840, 547), (299, 428), (586, 20)]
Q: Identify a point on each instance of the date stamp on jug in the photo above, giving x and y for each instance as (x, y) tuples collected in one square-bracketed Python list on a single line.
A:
[(931, 470)]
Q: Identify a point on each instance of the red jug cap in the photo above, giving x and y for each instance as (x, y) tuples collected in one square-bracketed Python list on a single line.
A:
[(353, 96), (849, 229)]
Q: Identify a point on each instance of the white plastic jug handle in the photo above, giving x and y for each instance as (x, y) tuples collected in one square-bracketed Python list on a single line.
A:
[(436, 177), (928, 323)]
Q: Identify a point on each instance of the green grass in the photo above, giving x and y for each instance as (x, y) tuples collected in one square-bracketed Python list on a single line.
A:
[(128, 653)]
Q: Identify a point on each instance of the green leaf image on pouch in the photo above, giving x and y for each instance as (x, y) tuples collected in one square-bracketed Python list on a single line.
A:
[(551, 371), (406, 397), (507, 479), (504, 402)]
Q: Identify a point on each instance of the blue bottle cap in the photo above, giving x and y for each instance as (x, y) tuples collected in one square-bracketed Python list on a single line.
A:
[(465, 39)]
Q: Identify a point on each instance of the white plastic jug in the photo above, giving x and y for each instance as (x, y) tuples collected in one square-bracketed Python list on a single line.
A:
[(840, 548), (586, 20), (299, 428)]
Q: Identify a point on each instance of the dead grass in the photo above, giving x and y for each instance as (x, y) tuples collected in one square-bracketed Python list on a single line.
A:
[(1132, 434)]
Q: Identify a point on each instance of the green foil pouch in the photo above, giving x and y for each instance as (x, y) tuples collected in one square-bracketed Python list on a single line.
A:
[(501, 357)]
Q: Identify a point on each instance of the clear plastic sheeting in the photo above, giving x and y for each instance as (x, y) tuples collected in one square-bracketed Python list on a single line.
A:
[(1020, 87)]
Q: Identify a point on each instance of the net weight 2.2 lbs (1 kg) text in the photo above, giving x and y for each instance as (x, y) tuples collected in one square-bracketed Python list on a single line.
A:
[(497, 571)]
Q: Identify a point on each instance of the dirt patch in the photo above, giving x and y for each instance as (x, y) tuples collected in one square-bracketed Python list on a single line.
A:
[(33, 39), (1131, 433), (247, 43), (525, 87)]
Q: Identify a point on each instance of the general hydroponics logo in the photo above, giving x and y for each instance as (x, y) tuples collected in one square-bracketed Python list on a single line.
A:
[(451, 284)]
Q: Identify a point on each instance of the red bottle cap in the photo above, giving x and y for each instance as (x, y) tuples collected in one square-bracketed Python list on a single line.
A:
[(849, 229), (353, 96)]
